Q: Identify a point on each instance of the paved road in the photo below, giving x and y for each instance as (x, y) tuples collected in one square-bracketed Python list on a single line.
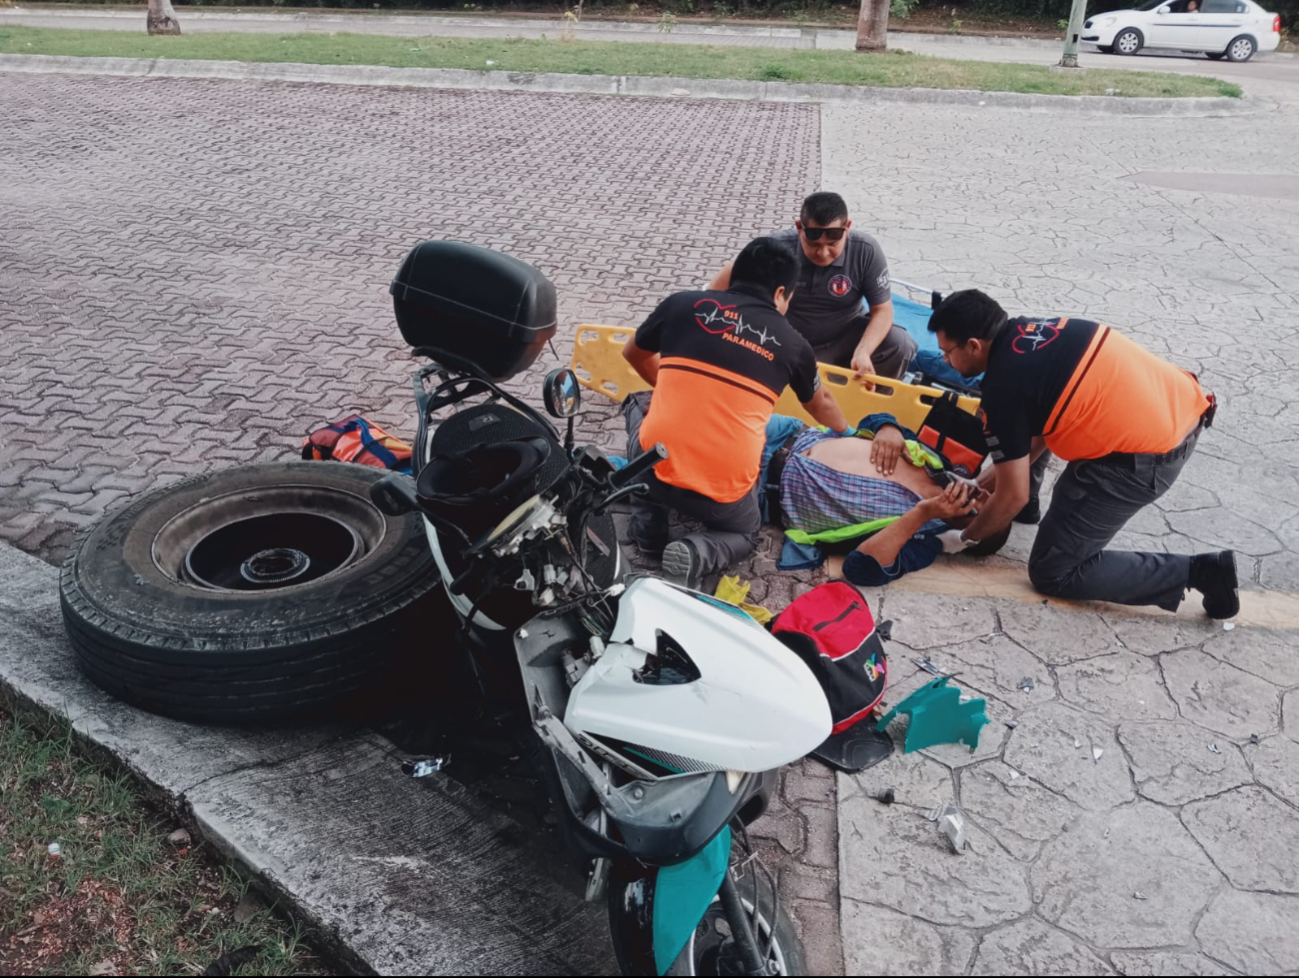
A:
[(1028, 51)]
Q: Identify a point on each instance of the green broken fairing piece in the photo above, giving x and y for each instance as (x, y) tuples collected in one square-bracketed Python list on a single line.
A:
[(938, 716)]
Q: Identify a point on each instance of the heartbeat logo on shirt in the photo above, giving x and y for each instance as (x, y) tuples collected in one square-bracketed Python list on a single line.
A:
[(1034, 335), (717, 319)]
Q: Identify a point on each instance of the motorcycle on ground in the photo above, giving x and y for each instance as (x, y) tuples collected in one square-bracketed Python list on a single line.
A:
[(661, 715)]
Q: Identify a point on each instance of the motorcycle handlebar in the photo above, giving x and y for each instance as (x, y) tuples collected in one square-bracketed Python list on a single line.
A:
[(638, 466)]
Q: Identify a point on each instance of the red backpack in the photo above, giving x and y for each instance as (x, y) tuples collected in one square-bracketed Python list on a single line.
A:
[(832, 630)]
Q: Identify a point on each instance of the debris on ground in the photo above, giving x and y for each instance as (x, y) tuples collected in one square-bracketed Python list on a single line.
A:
[(1027, 684), (951, 823), (734, 591), (940, 714), (180, 839), (1215, 749), (425, 768)]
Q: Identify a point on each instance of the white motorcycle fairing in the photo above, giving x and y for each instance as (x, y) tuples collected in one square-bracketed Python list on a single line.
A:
[(742, 702)]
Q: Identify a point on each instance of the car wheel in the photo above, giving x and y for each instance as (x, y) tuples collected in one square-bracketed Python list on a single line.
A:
[(1216, 55), (264, 593), (1241, 49), (1129, 41)]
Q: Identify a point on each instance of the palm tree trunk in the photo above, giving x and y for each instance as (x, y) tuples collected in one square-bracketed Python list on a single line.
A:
[(873, 25), (162, 18)]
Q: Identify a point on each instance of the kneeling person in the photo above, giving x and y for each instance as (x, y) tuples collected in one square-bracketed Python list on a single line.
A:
[(718, 362)]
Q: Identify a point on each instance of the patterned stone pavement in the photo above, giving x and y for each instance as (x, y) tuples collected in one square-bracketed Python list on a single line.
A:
[(195, 273), (1173, 851)]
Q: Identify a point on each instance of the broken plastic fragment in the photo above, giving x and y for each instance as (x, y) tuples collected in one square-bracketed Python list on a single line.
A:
[(1138, 895), (940, 714), (1096, 753), (1012, 724), (1214, 748), (1077, 743), (424, 768), (1027, 684), (952, 825), (1253, 739), (928, 666), (1014, 774), (1228, 626)]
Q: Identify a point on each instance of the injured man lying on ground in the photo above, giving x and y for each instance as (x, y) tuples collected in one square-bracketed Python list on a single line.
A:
[(883, 498)]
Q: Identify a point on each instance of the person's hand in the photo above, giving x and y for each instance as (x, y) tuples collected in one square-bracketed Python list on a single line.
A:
[(887, 445), (987, 479), (952, 503), (862, 364)]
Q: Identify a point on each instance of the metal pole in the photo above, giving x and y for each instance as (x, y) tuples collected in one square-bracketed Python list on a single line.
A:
[(1076, 15)]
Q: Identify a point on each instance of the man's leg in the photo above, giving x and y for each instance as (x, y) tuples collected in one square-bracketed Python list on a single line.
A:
[(1032, 511), (649, 514), (893, 357), (731, 531), (1092, 502)]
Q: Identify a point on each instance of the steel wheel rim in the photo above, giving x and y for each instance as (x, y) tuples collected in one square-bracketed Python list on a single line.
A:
[(270, 538), (707, 932)]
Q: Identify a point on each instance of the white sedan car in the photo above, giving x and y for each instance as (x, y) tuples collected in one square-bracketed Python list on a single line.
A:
[(1231, 29)]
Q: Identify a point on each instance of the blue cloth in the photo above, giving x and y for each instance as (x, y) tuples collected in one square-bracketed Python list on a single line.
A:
[(914, 318), (617, 461)]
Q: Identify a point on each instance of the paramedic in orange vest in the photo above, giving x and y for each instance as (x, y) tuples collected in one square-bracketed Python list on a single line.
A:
[(718, 362), (1124, 420)]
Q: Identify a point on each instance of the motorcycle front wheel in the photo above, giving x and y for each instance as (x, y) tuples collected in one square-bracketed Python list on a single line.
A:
[(711, 951)]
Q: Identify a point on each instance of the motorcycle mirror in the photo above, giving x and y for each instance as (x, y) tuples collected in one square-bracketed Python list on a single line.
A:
[(562, 393)]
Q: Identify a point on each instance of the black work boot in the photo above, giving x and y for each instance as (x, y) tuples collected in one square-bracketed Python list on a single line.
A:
[(681, 564), (1214, 576), (1031, 513)]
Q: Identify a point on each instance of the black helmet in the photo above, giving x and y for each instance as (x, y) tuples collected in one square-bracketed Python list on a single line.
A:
[(483, 481)]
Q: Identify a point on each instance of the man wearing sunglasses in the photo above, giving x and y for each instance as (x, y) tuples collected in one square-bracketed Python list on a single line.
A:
[(841, 272)]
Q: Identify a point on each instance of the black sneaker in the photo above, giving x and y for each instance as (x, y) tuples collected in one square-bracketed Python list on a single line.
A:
[(1214, 576), (681, 564), (1031, 514), (648, 552)]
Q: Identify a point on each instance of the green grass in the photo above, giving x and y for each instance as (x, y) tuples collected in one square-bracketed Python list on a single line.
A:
[(892, 70), (121, 899)]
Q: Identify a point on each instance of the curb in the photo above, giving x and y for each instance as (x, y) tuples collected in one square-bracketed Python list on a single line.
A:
[(623, 85), (395, 876)]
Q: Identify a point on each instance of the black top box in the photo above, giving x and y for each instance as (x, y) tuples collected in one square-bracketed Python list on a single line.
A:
[(473, 309)]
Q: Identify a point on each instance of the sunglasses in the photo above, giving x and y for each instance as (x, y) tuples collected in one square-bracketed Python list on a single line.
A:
[(830, 234)]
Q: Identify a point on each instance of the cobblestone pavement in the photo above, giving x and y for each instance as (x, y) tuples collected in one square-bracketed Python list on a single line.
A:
[(195, 274), (1141, 816)]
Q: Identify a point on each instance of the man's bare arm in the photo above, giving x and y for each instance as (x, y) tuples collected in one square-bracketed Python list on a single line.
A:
[(1009, 496), (722, 280), (877, 328), (643, 362), (826, 410)]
